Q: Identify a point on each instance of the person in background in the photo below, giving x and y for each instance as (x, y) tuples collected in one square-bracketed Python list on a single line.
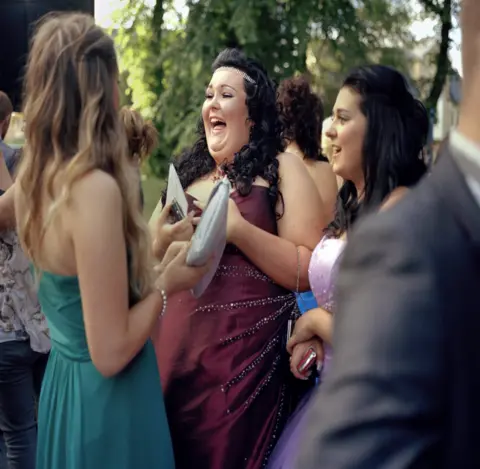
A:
[(142, 139), (24, 347), (9, 154), (142, 136), (4, 182), (404, 384), (301, 116)]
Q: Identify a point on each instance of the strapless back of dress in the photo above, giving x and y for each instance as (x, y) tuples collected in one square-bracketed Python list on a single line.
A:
[(87, 421)]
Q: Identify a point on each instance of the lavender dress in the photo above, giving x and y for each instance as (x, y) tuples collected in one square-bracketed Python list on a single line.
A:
[(322, 274)]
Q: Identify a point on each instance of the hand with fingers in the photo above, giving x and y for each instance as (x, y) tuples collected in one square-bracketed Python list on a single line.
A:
[(174, 275), (234, 219), (165, 233), (309, 334), (305, 356), (317, 323)]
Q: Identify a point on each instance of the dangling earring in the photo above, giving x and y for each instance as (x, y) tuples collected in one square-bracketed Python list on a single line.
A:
[(252, 125)]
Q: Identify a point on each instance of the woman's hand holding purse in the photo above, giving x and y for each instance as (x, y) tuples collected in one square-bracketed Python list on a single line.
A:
[(165, 232)]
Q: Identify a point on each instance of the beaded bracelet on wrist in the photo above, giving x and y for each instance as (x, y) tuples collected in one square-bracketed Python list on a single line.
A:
[(164, 300)]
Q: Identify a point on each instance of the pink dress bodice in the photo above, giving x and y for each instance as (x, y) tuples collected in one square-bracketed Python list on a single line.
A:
[(322, 274)]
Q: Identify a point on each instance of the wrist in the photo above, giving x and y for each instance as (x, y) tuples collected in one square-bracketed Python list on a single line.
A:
[(311, 317), (320, 323), (162, 284), (159, 290), (238, 231), (159, 248)]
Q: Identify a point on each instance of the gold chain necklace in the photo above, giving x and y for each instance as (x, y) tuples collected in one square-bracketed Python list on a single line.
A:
[(218, 174)]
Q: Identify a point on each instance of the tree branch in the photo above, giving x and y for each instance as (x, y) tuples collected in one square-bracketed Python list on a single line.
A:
[(432, 6)]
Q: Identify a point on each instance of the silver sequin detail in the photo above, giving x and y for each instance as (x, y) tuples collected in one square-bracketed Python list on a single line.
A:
[(242, 271), (264, 383), (285, 308), (277, 429), (274, 342), (247, 303)]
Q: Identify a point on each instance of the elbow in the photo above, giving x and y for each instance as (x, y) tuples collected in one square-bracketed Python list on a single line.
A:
[(107, 369), (303, 284), (303, 264), (108, 364), (7, 220)]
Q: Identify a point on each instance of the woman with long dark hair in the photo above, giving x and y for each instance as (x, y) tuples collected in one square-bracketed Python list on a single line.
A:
[(222, 356), (377, 136)]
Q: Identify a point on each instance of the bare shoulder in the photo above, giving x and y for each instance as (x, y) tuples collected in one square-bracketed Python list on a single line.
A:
[(95, 200), (321, 167), (289, 162), (97, 187), (286, 158), (97, 183), (320, 170)]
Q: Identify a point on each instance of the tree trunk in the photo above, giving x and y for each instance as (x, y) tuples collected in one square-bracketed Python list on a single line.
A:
[(442, 62), (156, 45)]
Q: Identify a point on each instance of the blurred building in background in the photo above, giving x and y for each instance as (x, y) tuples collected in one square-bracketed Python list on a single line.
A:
[(446, 113), (17, 19)]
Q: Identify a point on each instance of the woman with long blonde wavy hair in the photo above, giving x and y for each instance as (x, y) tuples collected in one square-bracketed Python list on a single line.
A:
[(77, 208)]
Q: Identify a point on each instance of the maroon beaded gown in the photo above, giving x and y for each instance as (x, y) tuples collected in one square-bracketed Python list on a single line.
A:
[(222, 360)]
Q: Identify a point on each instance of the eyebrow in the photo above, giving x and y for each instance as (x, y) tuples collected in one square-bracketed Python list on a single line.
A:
[(336, 111), (223, 86)]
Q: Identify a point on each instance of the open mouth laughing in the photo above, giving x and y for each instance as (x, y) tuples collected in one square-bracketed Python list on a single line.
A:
[(217, 125)]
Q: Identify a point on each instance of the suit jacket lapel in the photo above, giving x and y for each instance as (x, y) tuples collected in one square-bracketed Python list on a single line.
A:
[(449, 182)]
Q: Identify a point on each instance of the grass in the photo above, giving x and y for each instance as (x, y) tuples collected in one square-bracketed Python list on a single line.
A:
[(152, 191)]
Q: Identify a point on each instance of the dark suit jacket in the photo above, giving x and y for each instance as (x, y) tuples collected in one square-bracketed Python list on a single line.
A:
[(404, 388)]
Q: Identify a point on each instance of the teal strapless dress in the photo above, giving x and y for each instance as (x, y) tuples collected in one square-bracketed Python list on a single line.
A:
[(87, 421)]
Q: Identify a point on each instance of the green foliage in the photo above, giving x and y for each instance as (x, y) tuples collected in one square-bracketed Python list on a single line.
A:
[(166, 50), (152, 190), (371, 31)]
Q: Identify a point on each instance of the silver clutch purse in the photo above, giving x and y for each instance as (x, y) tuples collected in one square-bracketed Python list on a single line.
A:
[(210, 237)]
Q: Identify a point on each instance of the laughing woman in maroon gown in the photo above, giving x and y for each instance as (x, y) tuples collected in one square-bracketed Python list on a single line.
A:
[(221, 357)]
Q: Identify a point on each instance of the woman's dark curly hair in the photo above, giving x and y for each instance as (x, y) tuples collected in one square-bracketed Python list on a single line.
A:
[(301, 115), (397, 129), (258, 158)]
